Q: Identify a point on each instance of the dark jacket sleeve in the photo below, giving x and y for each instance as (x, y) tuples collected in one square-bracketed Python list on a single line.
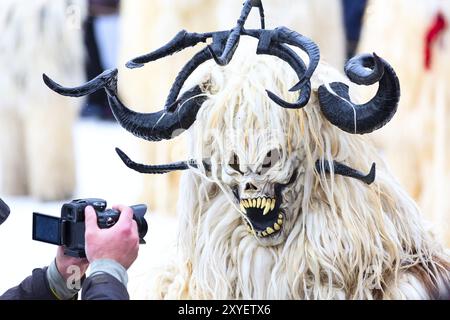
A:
[(103, 287), (35, 287)]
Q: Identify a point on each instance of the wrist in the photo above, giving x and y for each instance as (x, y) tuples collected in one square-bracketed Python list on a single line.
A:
[(111, 267), (60, 286)]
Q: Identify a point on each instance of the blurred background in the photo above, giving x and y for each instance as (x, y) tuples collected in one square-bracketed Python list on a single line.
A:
[(54, 149)]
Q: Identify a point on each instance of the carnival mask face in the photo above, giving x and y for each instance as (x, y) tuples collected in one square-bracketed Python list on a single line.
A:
[(264, 194)]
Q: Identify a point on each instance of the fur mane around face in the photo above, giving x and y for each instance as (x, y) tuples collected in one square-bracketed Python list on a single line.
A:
[(343, 239)]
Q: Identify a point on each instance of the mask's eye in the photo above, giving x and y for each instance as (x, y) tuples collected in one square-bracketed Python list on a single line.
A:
[(234, 163), (272, 157)]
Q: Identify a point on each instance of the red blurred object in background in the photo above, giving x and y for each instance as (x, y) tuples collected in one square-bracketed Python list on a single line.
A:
[(434, 31)]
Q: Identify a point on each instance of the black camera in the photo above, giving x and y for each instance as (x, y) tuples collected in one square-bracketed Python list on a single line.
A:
[(68, 231)]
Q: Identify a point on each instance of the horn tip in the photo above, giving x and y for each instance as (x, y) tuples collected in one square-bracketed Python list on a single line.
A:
[(294, 88), (371, 176), (299, 85), (122, 155), (133, 65), (49, 82)]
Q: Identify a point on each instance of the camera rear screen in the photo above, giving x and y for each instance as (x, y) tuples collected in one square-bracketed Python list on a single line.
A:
[(46, 228)]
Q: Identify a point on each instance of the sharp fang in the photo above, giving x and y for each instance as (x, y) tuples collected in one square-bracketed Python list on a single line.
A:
[(276, 226), (263, 203), (272, 206), (269, 230), (280, 222), (266, 210), (258, 202), (254, 203), (264, 234), (243, 208)]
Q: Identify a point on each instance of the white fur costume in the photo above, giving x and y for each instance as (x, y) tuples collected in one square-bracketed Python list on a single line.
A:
[(35, 123), (340, 238)]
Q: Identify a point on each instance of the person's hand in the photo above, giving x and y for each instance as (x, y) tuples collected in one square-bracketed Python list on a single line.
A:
[(119, 243), (65, 264)]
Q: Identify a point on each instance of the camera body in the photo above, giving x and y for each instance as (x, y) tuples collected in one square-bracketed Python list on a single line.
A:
[(68, 231)]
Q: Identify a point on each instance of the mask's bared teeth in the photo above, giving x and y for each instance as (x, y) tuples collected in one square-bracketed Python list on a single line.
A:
[(264, 233), (263, 203), (276, 226), (254, 203), (280, 221), (272, 206), (280, 216), (267, 207), (269, 230), (242, 207), (258, 203), (246, 204)]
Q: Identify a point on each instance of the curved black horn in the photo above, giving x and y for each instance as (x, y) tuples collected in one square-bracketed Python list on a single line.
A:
[(343, 170), (293, 38), (359, 119), (287, 54), (157, 169), (282, 35), (258, 4), (162, 124), (107, 80), (181, 41), (183, 75), (235, 34)]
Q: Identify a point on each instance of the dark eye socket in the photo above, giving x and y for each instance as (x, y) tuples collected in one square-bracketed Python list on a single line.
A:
[(234, 163), (272, 157)]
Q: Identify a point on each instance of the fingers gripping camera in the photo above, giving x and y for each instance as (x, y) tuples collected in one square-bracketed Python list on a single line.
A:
[(68, 231)]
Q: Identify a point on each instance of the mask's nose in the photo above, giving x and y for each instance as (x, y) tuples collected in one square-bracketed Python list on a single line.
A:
[(4, 211), (250, 187)]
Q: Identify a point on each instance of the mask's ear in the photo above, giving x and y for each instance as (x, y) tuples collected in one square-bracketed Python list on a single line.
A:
[(4, 211)]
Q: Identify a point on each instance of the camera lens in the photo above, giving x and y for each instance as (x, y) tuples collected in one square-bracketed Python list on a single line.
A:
[(142, 226), (139, 211)]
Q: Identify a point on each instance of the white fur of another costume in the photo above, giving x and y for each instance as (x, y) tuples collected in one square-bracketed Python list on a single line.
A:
[(36, 124)]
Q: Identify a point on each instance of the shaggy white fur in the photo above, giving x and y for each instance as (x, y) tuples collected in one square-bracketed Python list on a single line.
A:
[(416, 141), (341, 239), (36, 124)]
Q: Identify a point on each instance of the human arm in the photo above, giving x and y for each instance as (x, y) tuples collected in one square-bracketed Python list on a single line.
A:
[(111, 252)]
